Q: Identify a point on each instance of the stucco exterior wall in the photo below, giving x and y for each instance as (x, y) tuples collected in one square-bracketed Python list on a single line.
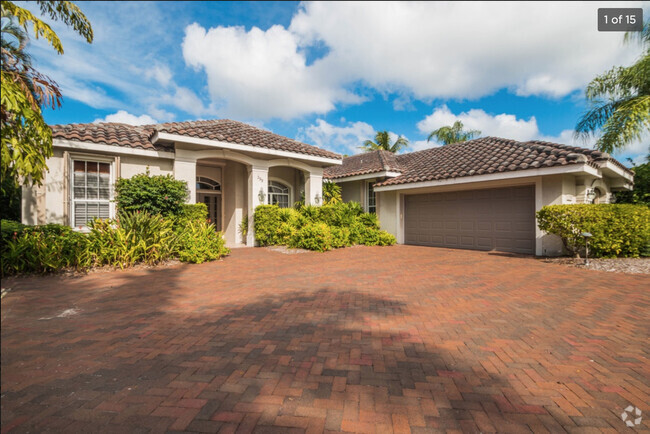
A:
[(235, 200), (131, 165), (352, 191), (290, 177), (387, 211)]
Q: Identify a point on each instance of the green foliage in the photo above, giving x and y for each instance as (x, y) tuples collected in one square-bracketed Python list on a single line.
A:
[(10, 197), (135, 237), (346, 224), (619, 102), (382, 142), (26, 140), (312, 236), (194, 211), (641, 192), (331, 193), (41, 249), (453, 134), (266, 221), (159, 194), (243, 227), (198, 242), (617, 230)]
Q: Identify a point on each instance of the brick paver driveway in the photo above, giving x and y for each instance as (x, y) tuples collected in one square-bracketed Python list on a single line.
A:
[(360, 339)]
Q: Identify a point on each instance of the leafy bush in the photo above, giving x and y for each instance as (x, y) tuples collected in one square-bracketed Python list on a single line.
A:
[(160, 194), (41, 249), (194, 211), (641, 192), (199, 242), (266, 221), (312, 236), (346, 225), (617, 229), (331, 193)]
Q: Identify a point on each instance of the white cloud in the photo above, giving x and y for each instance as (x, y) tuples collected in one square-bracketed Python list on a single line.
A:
[(160, 73), (125, 117), (501, 125), (260, 74), (344, 139), (420, 50)]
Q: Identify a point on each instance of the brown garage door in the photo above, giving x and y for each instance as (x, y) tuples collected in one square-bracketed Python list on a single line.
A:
[(500, 219)]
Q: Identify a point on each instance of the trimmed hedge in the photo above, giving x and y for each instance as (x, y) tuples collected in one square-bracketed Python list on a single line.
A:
[(159, 194), (617, 229), (318, 228)]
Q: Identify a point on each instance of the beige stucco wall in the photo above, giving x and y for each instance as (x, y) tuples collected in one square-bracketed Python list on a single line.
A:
[(550, 190), (235, 200), (290, 177), (131, 165)]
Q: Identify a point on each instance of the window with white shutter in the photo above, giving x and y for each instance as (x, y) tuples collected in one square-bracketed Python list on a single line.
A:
[(91, 191)]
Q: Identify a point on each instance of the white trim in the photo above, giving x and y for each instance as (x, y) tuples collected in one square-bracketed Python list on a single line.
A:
[(112, 149), (574, 168), (366, 204), (384, 174), (72, 157), (240, 147), (608, 165)]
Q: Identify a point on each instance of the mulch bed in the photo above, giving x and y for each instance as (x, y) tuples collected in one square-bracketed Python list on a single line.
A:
[(613, 265)]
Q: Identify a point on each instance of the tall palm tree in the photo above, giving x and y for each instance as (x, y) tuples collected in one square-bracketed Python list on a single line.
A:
[(453, 134), (382, 141), (620, 101)]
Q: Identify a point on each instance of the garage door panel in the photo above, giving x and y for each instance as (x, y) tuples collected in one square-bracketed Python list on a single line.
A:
[(501, 219)]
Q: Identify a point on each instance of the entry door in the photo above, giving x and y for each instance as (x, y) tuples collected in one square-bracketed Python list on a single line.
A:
[(213, 202)]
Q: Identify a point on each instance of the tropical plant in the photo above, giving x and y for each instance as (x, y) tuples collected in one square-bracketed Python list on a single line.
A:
[(453, 134), (26, 138), (619, 101), (160, 194), (383, 142), (198, 242), (641, 192), (331, 193)]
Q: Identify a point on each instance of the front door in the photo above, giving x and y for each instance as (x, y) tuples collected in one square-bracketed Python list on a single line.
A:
[(213, 202)]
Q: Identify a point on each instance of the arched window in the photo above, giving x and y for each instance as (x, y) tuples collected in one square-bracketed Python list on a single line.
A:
[(203, 183), (278, 194)]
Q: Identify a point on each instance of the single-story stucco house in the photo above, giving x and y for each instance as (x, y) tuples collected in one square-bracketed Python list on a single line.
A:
[(231, 166), (480, 194)]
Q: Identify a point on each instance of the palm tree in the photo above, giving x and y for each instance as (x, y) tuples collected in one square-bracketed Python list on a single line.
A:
[(620, 101), (382, 141), (453, 134)]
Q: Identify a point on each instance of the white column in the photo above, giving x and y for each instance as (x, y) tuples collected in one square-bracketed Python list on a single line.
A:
[(314, 188), (258, 193), (185, 170)]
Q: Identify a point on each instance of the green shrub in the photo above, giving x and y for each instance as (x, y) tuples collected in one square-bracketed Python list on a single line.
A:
[(331, 193), (340, 237), (199, 242), (194, 211), (312, 236), (160, 194), (617, 229), (42, 249), (133, 238), (266, 221), (346, 222)]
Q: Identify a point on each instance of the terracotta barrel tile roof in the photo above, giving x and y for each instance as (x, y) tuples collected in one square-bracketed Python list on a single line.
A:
[(482, 156), (222, 130), (109, 134), (362, 164), (226, 130)]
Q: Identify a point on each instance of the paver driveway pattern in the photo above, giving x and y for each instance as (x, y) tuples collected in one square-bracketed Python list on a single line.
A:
[(386, 339)]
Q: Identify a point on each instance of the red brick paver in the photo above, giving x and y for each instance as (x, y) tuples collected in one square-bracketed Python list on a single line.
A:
[(392, 339)]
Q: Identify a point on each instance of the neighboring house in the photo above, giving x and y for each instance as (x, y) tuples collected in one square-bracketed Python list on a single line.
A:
[(231, 166), (481, 194)]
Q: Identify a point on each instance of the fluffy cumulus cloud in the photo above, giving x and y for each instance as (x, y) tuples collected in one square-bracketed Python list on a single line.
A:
[(125, 117), (260, 74), (345, 139), (421, 50)]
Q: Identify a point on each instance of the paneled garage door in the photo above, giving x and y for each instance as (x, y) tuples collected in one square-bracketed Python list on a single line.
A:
[(500, 219)]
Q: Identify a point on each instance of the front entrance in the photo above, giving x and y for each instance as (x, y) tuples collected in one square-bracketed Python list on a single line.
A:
[(213, 202)]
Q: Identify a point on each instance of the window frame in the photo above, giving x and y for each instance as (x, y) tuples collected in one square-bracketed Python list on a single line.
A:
[(369, 187), (111, 184), (283, 185), (210, 180)]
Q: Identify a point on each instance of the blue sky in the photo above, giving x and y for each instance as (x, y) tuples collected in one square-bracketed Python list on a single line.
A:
[(331, 74)]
